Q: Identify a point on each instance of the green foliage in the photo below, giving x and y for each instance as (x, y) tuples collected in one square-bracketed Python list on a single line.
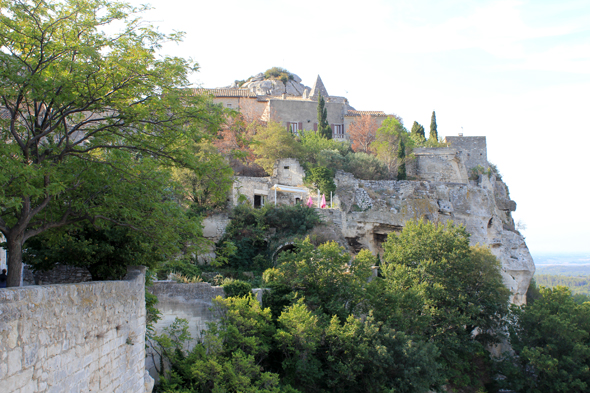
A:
[(325, 276), (324, 128), (322, 178), (278, 73), (106, 252), (371, 357), (418, 130), (208, 367), (550, 338), (313, 143), (182, 266), (237, 288), (95, 117), (387, 145), (578, 285), (437, 286), (249, 232), (206, 187), (433, 128), (273, 142), (401, 155), (365, 166)]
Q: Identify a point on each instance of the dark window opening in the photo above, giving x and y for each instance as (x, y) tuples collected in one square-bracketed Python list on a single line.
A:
[(285, 167), (258, 201)]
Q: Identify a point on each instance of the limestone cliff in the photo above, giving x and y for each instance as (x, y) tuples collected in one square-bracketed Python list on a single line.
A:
[(367, 211)]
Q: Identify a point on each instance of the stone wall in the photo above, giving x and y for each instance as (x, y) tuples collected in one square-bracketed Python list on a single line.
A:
[(62, 274), (438, 164), (192, 302), (304, 111), (472, 150), (86, 337)]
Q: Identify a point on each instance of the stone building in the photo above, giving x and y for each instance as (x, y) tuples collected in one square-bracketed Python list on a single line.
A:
[(292, 104)]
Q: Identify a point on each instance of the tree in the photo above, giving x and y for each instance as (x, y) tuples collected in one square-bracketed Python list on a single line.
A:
[(362, 132), (418, 129), (271, 143), (433, 131), (440, 288), (88, 117), (324, 128), (206, 187), (401, 155), (550, 338), (325, 276), (387, 142)]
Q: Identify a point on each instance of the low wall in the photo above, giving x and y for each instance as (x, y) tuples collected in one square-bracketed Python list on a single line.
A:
[(85, 337), (192, 302)]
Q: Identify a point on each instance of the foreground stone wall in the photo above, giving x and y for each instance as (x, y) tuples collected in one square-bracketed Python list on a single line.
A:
[(86, 337)]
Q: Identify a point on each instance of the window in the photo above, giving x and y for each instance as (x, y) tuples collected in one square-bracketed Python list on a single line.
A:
[(338, 130), (286, 167), (258, 201), (294, 128), (229, 105)]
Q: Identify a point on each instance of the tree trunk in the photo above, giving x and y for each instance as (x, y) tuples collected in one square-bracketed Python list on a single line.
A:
[(15, 261)]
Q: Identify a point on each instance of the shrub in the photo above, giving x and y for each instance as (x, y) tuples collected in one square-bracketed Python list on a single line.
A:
[(237, 288), (321, 177), (365, 166), (183, 267)]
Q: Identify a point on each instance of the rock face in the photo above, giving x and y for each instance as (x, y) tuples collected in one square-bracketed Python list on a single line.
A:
[(369, 210)]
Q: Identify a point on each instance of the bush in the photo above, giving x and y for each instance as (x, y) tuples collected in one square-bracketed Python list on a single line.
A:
[(237, 288), (365, 166), (278, 73), (183, 267), (321, 177)]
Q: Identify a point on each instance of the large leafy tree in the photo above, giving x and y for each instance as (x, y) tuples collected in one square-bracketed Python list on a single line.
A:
[(89, 113), (387, 143), (451, 294), (272, 143), (551, 340)]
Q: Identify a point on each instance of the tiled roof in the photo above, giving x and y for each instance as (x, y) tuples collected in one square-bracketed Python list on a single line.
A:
[(227, 92), (360, 113)]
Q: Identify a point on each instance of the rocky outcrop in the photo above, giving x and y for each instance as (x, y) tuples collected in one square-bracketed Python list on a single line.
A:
[(369, 210), (273, 87)]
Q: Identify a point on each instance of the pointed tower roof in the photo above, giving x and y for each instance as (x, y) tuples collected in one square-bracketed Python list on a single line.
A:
[(319, 88)]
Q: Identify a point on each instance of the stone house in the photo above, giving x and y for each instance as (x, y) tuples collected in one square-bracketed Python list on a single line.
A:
[(292, 104)]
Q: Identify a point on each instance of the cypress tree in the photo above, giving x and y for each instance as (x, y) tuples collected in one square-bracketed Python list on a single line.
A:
[(401, 154), (433, 130), (324, 128), (418, 129)]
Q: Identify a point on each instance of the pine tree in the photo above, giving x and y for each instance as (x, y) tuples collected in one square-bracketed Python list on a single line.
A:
[(418, 129), (433, 132), (324, 128), (401, 154)]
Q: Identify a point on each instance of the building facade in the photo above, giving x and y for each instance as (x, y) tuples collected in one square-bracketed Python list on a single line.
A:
[(292, 104)]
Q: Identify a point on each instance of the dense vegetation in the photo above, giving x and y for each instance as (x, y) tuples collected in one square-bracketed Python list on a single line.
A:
[(577, 285), (324, 326)]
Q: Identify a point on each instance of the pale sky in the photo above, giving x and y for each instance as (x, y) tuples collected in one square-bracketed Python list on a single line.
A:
[(517, 72)]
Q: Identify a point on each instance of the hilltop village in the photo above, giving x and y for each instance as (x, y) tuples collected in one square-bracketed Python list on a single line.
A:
[(50, 328)]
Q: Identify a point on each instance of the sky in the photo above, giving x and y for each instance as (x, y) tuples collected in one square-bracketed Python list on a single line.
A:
[(517, 72)]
